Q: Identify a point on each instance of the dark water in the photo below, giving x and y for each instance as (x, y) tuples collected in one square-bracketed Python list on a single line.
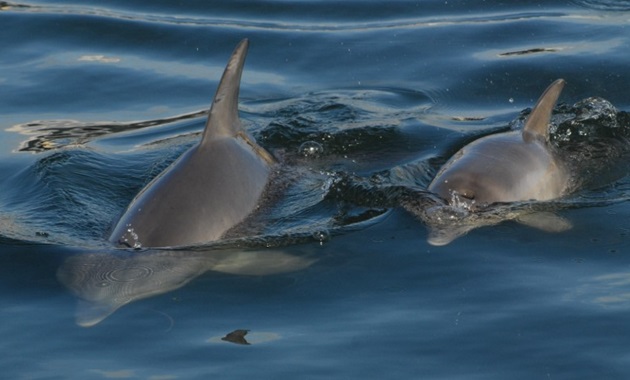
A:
[(97, 98)]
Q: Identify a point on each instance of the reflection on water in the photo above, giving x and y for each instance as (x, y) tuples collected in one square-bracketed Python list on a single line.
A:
[(605, 5), (567, 49), (54, 134), (611, 290), (104, 282)]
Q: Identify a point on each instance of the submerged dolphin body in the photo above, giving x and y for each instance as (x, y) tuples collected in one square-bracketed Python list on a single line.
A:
[(104, 282), (505, 167), (211, 188)]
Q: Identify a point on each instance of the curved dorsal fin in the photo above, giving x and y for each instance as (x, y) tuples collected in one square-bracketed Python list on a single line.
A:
[(223, 120), (537, 124)]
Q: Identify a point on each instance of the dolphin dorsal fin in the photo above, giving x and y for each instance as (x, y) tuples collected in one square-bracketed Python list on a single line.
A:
[(223, 120), (537, 124)]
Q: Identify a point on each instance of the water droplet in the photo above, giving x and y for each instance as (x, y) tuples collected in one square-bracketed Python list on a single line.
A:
[(311, 149), (130, 238), (511, 100), (321, 236)]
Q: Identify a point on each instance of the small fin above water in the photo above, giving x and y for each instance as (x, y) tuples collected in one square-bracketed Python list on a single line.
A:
[(537, 124), (237, 337), (545, 221), (223, 120)]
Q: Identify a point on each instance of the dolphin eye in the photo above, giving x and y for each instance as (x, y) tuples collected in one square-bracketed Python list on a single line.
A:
[(467, 194)]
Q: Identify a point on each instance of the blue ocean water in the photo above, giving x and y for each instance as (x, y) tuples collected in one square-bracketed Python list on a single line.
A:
[(98, 97)]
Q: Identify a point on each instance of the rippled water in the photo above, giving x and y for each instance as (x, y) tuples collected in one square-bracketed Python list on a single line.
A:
[(363, 101)]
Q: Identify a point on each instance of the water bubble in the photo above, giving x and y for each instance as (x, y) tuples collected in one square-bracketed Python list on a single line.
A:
[(598, 110), (130, 238), (442, 214), (511, 100), (311, 149), (321, 236), (587, 120), (327, 184)]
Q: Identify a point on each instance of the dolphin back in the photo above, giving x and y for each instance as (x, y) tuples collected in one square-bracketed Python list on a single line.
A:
[(211, 188)]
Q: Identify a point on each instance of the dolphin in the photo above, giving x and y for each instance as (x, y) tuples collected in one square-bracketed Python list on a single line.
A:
[(105, 281), (502, 168), (210, 188)]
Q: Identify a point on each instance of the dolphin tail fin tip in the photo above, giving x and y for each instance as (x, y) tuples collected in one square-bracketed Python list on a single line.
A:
[(223, 119), (537, 124)]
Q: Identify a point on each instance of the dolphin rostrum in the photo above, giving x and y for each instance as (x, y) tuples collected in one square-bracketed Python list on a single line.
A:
[(505, 167), (211, 188)]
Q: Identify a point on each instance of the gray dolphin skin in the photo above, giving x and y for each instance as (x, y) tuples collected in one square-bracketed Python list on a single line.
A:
[(104, 282), (505, 167), (211, 188)]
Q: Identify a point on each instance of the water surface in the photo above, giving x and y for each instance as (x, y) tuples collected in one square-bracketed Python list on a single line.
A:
[(97, 98)]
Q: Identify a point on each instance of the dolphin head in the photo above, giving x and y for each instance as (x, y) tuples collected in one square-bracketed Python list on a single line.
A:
[(499, 169), (506, 167)]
